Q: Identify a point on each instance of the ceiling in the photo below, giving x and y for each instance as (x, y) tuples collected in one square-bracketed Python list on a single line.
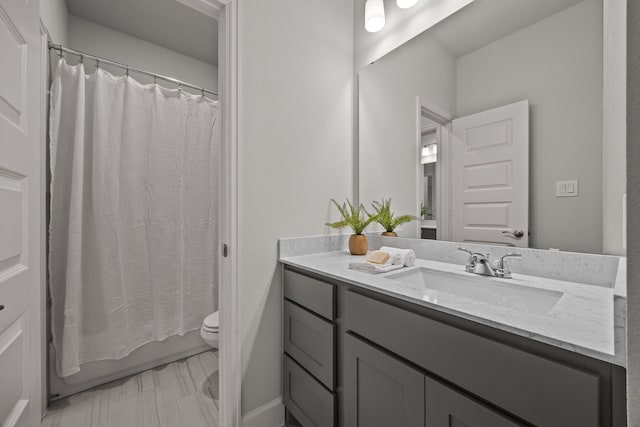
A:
[(485, 21), (167, 23)]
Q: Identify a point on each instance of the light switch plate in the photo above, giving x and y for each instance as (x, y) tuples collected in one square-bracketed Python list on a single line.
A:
[(567, 188)]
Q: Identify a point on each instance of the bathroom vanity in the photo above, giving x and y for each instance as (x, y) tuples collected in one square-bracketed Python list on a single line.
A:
[(427, 346)]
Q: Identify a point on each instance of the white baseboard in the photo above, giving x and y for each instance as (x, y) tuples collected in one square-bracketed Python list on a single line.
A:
[(268, 415)]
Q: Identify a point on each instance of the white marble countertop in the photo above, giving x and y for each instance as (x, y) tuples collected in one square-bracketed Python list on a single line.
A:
[(581, 321)]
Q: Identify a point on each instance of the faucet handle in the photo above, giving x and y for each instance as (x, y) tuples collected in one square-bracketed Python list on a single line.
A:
[(509, 255), (471, 261), (465, 250)]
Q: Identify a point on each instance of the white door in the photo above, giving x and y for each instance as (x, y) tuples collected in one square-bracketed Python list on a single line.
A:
[(490, 176), (20, 213)]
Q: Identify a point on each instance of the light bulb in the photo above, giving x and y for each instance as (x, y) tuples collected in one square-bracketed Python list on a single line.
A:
[(406, 4), (374, 15)]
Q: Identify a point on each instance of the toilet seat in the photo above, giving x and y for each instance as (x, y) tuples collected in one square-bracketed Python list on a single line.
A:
[(212, 321), (210, 329)]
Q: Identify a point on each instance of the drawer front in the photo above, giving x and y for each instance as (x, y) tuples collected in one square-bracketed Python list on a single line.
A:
[(310, 293), (310, 340), (306, 398), (539, 390)]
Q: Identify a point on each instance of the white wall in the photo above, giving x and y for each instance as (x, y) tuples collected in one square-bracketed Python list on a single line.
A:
[(387, 114), (87, 36), (556, 64), (54, 15), (633, 233), (295, 153)]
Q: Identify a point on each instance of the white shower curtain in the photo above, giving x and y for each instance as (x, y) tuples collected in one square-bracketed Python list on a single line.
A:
[(133, 231)]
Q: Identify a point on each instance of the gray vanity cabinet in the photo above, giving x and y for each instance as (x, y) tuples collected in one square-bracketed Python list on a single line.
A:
[(359, 358), (379, 390)]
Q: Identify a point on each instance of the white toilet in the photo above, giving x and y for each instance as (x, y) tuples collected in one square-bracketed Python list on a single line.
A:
[(210, 329)]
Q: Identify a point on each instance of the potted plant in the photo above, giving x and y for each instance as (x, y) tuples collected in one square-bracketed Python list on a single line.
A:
[(424, 211), (387, 219), (355, 218)]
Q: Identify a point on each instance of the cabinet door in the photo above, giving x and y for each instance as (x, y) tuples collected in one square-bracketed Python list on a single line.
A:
[(379, 390), (446, 407)]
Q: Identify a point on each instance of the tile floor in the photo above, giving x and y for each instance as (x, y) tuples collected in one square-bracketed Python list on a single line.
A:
[(180, 394)]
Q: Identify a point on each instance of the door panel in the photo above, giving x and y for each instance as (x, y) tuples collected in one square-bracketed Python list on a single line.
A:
[(13, 370), (12, 84), (21, 204), (490, 176), (380, 391), (446, 407)]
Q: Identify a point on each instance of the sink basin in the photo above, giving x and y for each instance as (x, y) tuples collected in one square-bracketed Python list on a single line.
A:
[(442, 288)]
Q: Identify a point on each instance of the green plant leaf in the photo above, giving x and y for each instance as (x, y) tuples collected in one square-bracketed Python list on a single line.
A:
[(353, 217), (386, 218)]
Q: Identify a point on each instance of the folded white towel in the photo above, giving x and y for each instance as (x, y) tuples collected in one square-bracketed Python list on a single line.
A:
[(368, 267), (400, 256), (393, 259)]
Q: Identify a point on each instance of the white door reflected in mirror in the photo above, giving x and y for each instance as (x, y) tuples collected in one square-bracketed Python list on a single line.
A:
[(490, 176)]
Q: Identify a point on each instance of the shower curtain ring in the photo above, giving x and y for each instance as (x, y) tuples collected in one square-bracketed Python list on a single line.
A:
[(60, 53), (127, 71), (155, 80), (97, 63), (82, 59), (203, 92), (180, 86)]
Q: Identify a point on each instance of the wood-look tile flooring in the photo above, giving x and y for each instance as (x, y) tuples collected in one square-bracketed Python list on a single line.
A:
[(180, 394)]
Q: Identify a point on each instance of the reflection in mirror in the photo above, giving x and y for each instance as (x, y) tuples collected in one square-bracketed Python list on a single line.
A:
[(429, 140), (518, 89)]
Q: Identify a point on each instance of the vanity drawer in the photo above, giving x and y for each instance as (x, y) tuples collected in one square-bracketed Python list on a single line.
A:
[(536, 389), (316, 295), (310, 340), (306, 398)]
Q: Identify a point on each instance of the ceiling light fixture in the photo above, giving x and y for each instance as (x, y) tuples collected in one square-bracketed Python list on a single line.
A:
[(406, 4), (373, 15)]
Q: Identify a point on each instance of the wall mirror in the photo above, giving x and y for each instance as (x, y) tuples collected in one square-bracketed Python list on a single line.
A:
[(489, 126)]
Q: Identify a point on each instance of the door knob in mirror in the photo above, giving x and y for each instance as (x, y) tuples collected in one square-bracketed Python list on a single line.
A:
[(514, 233)]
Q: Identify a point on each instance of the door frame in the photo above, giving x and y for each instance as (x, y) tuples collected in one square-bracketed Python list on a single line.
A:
[(443, 173), (44, 143), (229, 354), (230, 368)]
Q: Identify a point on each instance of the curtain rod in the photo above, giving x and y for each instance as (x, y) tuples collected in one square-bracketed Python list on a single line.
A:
[(60, 49)]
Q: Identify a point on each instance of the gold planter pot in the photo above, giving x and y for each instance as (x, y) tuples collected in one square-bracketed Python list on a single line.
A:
[(358, 244)]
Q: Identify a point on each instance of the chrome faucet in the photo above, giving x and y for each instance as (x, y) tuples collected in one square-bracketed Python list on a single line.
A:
[(479, 263)]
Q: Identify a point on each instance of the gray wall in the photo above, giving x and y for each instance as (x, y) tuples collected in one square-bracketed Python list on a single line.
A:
[(54, 15), (556, 64), (295, 153), (633, 233), (96, 39)]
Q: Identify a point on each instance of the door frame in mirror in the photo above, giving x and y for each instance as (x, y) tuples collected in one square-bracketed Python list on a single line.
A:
[(443, 118)]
